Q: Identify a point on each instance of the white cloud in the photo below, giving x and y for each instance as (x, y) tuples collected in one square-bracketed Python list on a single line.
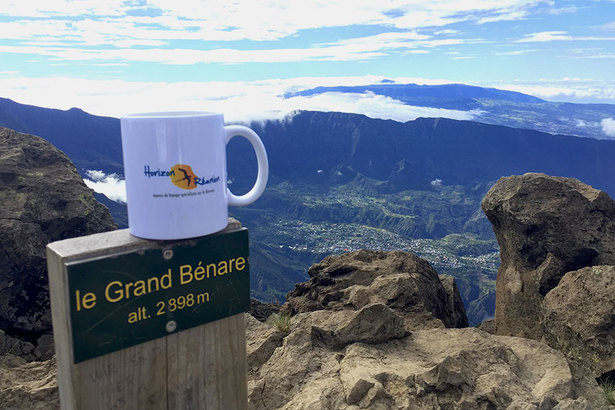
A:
[(436, 182), (245, 100), (598, 56), (546, 36), (563, 10), (360, 48), (608, 127), (182, 32), (239, 101), (565, 89), (193, 56), (608, 26), (374, 106), (95, 22), (61, 8), (112, 186), (95, 175), (513, 15), (446, 31), (515, 52)]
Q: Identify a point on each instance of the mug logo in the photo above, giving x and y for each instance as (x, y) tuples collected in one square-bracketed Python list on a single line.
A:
[(181, 175)]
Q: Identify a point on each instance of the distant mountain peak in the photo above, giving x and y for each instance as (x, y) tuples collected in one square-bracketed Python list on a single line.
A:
[(424, 95)]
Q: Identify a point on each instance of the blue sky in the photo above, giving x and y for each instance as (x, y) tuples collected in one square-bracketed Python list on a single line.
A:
[(113, 57)]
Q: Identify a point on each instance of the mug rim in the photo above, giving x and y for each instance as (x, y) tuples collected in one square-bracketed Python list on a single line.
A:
[(171, 114)]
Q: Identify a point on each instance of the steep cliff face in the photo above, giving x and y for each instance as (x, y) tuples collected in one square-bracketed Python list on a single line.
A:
[(42, 199), (410, 155)]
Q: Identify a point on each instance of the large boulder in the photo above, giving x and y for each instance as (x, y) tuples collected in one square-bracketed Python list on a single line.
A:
[(400, 280), (545, 226), (42, 199), (578, 318)]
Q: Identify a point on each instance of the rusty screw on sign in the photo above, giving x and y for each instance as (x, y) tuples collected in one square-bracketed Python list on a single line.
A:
[(171, 326)]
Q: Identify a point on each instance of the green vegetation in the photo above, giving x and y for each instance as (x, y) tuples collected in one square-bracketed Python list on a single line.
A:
[(281, 321), (608, 390)]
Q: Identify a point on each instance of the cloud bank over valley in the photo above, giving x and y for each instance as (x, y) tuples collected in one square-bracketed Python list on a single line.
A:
[(112, 186)]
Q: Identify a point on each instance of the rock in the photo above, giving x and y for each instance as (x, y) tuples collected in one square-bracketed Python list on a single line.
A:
[(579, 404), (18, 347), (368, 331), (402, 281), (262, 340), (454, 300), (578, 317), (545, 226), (26, 385), (487, 326), (44, 347), (375, 323), (427, 369), (42, 199), (261, 311)]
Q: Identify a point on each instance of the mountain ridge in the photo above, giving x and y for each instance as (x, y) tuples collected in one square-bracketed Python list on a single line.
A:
[(426, 95), (425, 149), (490, 105), (341, 181), (73, 131)]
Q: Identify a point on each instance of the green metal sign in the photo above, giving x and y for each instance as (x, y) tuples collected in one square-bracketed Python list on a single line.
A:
[(123, 300)]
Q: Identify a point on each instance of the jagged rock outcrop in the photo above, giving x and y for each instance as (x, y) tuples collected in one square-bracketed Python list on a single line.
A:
[(355, 341), (402, 281), (545, 226), (42, 199), (362, 359)]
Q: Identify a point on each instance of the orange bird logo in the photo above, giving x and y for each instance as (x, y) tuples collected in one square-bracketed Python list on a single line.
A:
[(183, 176)]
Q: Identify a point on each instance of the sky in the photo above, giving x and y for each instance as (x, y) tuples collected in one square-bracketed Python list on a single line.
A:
[(115, 57)]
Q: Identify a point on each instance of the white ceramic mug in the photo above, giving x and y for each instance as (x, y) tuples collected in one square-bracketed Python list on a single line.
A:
[(175, 171)]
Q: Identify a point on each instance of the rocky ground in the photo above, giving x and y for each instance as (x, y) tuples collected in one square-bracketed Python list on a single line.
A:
[(28, 385), (368, 333)]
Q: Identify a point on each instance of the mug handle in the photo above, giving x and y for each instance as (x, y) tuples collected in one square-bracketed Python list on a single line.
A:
[(263, 165)]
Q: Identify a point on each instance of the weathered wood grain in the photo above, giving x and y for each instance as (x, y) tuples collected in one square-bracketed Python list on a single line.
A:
[(200, 368)]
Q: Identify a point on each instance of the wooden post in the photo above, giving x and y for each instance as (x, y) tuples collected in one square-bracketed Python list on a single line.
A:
[(203, 367)]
